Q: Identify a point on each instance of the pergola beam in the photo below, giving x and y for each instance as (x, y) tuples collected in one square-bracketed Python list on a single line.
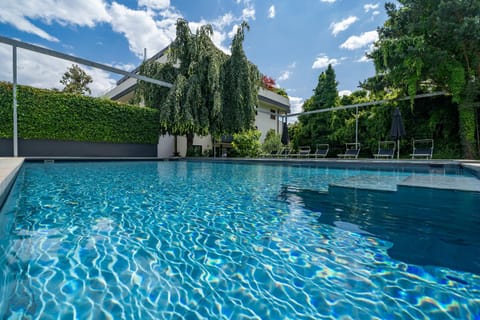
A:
[(367, 104), (86, 62)]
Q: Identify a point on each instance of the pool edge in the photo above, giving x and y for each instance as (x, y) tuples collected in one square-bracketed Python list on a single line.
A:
[(9, 168)]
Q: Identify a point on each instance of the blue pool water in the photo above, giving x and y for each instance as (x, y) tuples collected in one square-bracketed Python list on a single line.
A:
[(197, 240)]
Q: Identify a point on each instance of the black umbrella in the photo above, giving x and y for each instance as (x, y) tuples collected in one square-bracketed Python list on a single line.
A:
[(398, 130), (285, 138)]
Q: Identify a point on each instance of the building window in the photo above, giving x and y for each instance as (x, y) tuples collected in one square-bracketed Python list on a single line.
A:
[(272, 116)]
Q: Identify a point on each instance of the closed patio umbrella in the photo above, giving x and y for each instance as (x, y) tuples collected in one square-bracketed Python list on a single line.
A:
[(285, 139), (397, 130)]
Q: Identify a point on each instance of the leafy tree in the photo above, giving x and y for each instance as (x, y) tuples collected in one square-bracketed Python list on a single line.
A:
[(76, 80), (272, 142), (212, 92), (315, 127), (240, 80), (194, 103), (430, 44)]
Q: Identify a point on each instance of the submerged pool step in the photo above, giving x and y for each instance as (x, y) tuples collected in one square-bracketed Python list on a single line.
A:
[(391, 183), (370, 182), (458, 183)]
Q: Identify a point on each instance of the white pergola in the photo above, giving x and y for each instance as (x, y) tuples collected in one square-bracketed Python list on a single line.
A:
[(19, 44), (365, 104)]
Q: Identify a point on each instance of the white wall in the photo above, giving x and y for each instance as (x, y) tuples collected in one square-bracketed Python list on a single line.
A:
[(263, 122), (166, 145)]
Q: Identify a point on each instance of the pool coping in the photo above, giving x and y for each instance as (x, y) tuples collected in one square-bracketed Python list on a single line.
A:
[(9, 168), (470, 166)]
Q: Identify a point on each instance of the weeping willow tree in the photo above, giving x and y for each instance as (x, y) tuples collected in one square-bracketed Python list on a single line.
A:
[(435, 43), (203, 98), (240, 83)]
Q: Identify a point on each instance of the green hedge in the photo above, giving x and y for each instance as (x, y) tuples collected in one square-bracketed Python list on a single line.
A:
[(53, 115)]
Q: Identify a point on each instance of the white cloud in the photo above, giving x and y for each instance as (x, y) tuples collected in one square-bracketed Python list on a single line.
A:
[(124, 66), (248, 13), (154, 4), (224, 21), (142, 30), (328, 1), (271, 12), (296, 106), (342, 93), (285, 75), (370, 6), (375, 13), (323, 61), (42, 71), (363, 59), (356, 42), (19, 13), (232, 33), (342, 25)]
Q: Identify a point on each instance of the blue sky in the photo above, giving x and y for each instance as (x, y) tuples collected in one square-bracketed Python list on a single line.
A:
[(290, 41)]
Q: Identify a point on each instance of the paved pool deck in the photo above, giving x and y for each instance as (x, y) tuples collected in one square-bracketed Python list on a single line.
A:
[(8, 170), (10, 166)]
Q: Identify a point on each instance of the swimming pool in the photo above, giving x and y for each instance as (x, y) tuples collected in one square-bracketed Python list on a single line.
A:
[(193, 240)]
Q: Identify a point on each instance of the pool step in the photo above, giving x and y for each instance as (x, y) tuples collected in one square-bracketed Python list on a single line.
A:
[(369, 182), (470, 184), (391, 183)]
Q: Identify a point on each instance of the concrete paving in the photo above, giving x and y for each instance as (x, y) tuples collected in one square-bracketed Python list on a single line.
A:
[(8, 170)]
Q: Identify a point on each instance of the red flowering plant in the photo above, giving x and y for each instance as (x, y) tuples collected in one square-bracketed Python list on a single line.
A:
[(268, 83)]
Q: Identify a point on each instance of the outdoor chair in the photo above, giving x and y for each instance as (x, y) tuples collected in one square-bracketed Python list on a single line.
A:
[(303, 151), (285, 152), (321, 151), (351, 151), (422, 148), (272, 154), (386, 149)]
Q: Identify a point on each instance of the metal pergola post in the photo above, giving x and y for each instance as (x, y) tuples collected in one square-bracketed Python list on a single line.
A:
[(356, 127), (15, 120)]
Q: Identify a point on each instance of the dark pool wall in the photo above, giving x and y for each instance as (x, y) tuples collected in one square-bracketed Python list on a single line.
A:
[(53, 148)]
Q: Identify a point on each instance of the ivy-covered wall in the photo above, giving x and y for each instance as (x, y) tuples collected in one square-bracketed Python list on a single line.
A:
[(51, 115)]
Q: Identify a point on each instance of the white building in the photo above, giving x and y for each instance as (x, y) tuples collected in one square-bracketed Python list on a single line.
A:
[(271, 105)]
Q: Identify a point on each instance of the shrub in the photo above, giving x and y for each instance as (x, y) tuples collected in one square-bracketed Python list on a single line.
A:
[(272, 142), (51, 115), (247, 143)]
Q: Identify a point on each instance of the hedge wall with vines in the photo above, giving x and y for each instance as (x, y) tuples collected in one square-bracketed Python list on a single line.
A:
[(52, 115)]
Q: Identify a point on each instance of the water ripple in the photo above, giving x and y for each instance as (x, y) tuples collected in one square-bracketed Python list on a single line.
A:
[(184, 240)]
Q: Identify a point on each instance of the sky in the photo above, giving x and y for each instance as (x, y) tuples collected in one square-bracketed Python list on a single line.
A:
[(291, 41)]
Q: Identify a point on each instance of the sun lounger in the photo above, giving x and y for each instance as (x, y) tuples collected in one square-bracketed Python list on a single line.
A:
[(270, 155), (351, 151), (386, 149), (283, 153), (303, 151), (422, 148), (321, 150)]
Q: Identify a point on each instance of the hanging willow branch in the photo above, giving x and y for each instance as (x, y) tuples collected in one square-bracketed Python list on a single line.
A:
[(240, 80)]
